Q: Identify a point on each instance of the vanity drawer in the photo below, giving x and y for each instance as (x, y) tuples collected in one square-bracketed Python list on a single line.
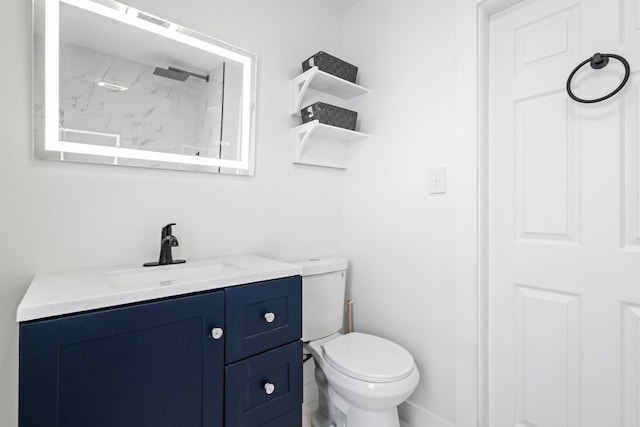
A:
[(263, 388), (261, 316)]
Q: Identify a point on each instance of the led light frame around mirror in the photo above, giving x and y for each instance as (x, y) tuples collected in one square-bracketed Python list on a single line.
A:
[(52, 132)]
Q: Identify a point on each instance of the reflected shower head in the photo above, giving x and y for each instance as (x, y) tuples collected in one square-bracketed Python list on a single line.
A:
[(170, 74), (177, 74)]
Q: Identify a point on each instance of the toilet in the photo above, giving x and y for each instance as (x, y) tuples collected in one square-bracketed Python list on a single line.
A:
[(362, 378)]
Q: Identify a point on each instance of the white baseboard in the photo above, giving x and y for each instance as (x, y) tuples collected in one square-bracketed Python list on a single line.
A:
[(415, 416)]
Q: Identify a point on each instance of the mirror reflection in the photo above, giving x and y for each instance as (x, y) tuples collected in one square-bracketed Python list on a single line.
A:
[(116, 85)]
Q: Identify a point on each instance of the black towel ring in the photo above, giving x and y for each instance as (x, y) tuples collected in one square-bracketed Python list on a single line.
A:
[(598, 61)]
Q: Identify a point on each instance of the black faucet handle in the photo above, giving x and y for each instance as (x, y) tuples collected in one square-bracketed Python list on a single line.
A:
[(166, 230)]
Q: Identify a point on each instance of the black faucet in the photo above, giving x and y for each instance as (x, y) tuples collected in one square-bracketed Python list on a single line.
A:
[(167, 241)]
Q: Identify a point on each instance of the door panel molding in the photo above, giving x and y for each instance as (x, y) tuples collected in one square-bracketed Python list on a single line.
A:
[(630, 374), (562, 23), (547, 357), (630, 159), (554, 187)]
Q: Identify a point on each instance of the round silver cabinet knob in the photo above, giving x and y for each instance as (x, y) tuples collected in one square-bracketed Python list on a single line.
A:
[(217, 333), (269, 388), (269, 317)]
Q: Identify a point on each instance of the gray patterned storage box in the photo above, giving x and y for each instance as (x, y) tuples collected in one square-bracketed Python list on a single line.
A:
[(332, 65), (330, 115)]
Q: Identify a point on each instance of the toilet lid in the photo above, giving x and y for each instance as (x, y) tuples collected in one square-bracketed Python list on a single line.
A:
[(368, 358)]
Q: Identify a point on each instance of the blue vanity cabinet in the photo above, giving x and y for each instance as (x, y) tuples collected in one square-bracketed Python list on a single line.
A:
[(158, 363), (148, 364)]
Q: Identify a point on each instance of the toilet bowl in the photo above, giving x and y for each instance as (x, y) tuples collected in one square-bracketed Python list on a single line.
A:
[(362, 378), (365, 377)]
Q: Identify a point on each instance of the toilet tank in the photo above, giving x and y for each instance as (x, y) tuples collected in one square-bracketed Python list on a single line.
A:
[(323, 290)]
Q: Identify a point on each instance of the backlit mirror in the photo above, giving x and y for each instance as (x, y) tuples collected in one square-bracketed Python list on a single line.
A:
[(115, 85)]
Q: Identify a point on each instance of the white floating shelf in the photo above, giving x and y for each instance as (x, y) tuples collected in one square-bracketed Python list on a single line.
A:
[(324, 153), (319, 80)]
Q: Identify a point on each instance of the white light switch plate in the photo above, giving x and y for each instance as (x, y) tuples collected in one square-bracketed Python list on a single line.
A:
[(437, 180)]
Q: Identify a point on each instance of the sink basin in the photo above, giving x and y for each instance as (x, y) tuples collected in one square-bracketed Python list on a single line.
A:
[(175, 274)]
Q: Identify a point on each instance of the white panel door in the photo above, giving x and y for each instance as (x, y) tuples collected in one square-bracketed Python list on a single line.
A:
[(564, 217)]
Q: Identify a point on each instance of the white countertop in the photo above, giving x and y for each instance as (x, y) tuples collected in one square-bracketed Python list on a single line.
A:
[(54, 294)]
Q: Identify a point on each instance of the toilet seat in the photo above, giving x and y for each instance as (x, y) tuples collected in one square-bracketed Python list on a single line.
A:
[(368, 358)]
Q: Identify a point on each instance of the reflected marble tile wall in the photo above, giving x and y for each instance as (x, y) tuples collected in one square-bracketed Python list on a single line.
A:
[(154, 113)]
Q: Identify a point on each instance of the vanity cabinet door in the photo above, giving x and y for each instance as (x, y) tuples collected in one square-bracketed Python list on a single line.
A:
[(147, 364), (262, 316)]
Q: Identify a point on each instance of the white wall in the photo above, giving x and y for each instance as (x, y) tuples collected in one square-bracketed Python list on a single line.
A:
[(400, 239), (58, 216)]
